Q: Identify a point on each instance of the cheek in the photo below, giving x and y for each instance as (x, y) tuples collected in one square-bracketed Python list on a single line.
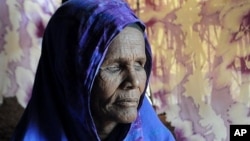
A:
[(142, 79), (107, 85)]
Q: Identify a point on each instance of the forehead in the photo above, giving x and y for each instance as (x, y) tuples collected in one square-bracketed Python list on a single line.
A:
[(128, 43)]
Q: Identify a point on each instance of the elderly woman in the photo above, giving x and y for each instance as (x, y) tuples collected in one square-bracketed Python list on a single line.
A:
[(92, 77)]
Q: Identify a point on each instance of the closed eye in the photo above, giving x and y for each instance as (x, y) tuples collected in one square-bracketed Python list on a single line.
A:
[(112, 68), (139, 66)]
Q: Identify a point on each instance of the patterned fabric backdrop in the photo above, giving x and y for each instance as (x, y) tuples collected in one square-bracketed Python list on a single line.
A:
[(201, 72), (22, 23), (201, 48)]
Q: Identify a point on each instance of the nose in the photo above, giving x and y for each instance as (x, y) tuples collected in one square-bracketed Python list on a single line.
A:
[(131, 81)]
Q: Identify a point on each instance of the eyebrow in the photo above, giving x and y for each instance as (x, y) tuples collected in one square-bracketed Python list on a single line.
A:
[(118, 60), (141, 58)]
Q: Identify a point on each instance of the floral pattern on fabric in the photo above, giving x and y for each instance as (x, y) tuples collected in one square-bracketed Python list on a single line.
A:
[(201, 64), (22, 24)]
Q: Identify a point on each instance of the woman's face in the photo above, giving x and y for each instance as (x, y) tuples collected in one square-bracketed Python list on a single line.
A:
[(121, 80)]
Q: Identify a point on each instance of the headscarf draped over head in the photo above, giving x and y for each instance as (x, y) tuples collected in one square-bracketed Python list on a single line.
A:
[(74, 45)]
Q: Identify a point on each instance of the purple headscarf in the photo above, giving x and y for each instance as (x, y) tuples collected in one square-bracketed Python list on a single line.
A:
[(74, 45)]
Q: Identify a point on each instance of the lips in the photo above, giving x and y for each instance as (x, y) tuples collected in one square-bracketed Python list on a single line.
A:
[(127, 102)]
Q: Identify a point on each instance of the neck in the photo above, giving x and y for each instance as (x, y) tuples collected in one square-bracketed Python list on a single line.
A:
[(104, 128)]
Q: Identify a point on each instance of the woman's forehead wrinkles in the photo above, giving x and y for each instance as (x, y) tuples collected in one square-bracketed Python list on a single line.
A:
[(127, 46), (121, 50), (133, 39), (117, 55)]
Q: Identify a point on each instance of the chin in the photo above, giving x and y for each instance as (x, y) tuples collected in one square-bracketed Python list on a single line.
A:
[(128, 121), (127, 118)]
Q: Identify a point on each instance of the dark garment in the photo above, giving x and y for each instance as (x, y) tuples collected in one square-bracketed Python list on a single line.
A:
[(74, 45)]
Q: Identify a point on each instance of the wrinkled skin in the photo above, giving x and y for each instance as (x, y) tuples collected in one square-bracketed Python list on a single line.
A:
[(120, 83)]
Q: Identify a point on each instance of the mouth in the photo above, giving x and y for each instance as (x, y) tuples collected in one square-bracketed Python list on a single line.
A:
[(127, 102)]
